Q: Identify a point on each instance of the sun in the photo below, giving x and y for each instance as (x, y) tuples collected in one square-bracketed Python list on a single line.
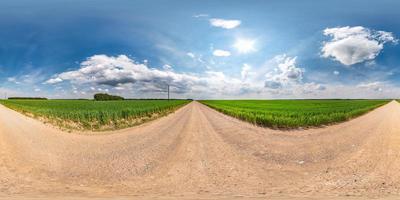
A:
[(245, 45)]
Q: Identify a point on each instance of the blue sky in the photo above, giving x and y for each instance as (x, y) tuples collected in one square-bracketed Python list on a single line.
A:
[(203, 49)]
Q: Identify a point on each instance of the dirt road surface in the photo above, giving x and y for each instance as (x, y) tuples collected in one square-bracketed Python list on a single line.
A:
[(198, 153)]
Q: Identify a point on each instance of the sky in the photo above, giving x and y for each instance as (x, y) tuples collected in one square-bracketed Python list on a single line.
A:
[(202, 49)]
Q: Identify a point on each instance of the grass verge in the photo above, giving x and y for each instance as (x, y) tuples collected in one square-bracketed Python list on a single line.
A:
[(290, 114), (94, 115)]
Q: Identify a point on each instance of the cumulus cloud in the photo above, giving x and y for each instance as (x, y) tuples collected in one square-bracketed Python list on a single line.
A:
[(375, 86), (285, 80), (351, 45), (124, 76), (105, 73), (217, 84), (221, 53), (285, 73), (225, 23), (116, 71), (246, 71)]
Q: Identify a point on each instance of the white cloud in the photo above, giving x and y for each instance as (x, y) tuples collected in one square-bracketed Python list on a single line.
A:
[(284, 79), (221, 53), (375, 86), (218, 84), (119, 88), (37, 90), (245, 71), (371, 63), (168, 67), (312, 87), (245, 45), (285, 73), (107, 73), (351, 45), (29, 79), (12, 92), (190, 54), (336, 72), (114, 71), (201, 15), (101, 90), (224, 23), (54, 80), (13, 80), (121, 74)]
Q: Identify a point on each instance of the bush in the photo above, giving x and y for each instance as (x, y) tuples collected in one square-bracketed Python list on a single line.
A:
[(106, 97)]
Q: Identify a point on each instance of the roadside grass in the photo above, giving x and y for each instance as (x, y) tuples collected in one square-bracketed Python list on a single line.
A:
[(290, 114), (94, 115)]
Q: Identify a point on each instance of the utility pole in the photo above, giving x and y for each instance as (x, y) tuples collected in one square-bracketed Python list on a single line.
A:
[(168, 92)]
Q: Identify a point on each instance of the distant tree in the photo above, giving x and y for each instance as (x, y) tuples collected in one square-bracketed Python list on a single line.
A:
[(106, 97), (27, 98)]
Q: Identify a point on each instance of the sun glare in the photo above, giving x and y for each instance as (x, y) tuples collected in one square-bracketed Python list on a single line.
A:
[(244, 45)]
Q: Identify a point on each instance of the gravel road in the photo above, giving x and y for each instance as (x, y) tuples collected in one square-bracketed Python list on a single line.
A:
[(197, 152)]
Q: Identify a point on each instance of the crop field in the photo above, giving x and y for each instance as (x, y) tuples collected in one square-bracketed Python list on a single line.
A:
[(293, 113), (95, 115)]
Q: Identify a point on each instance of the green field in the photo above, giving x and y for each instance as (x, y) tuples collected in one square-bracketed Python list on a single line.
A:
[(293, 113), (95, 115)]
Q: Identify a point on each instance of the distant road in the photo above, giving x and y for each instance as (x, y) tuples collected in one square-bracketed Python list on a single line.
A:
[(197, 152)]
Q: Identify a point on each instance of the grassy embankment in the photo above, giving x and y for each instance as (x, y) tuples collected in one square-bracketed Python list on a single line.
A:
[(94, 115), (289, 114)]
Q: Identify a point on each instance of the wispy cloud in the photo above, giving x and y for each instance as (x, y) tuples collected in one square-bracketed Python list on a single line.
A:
[(221, 53), (225, 23), (376, 86), (200, 15), (190, 54), (336, 73), (13, 80)]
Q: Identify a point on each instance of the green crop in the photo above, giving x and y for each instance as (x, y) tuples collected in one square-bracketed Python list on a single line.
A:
[(95, 115), (293, 113)]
